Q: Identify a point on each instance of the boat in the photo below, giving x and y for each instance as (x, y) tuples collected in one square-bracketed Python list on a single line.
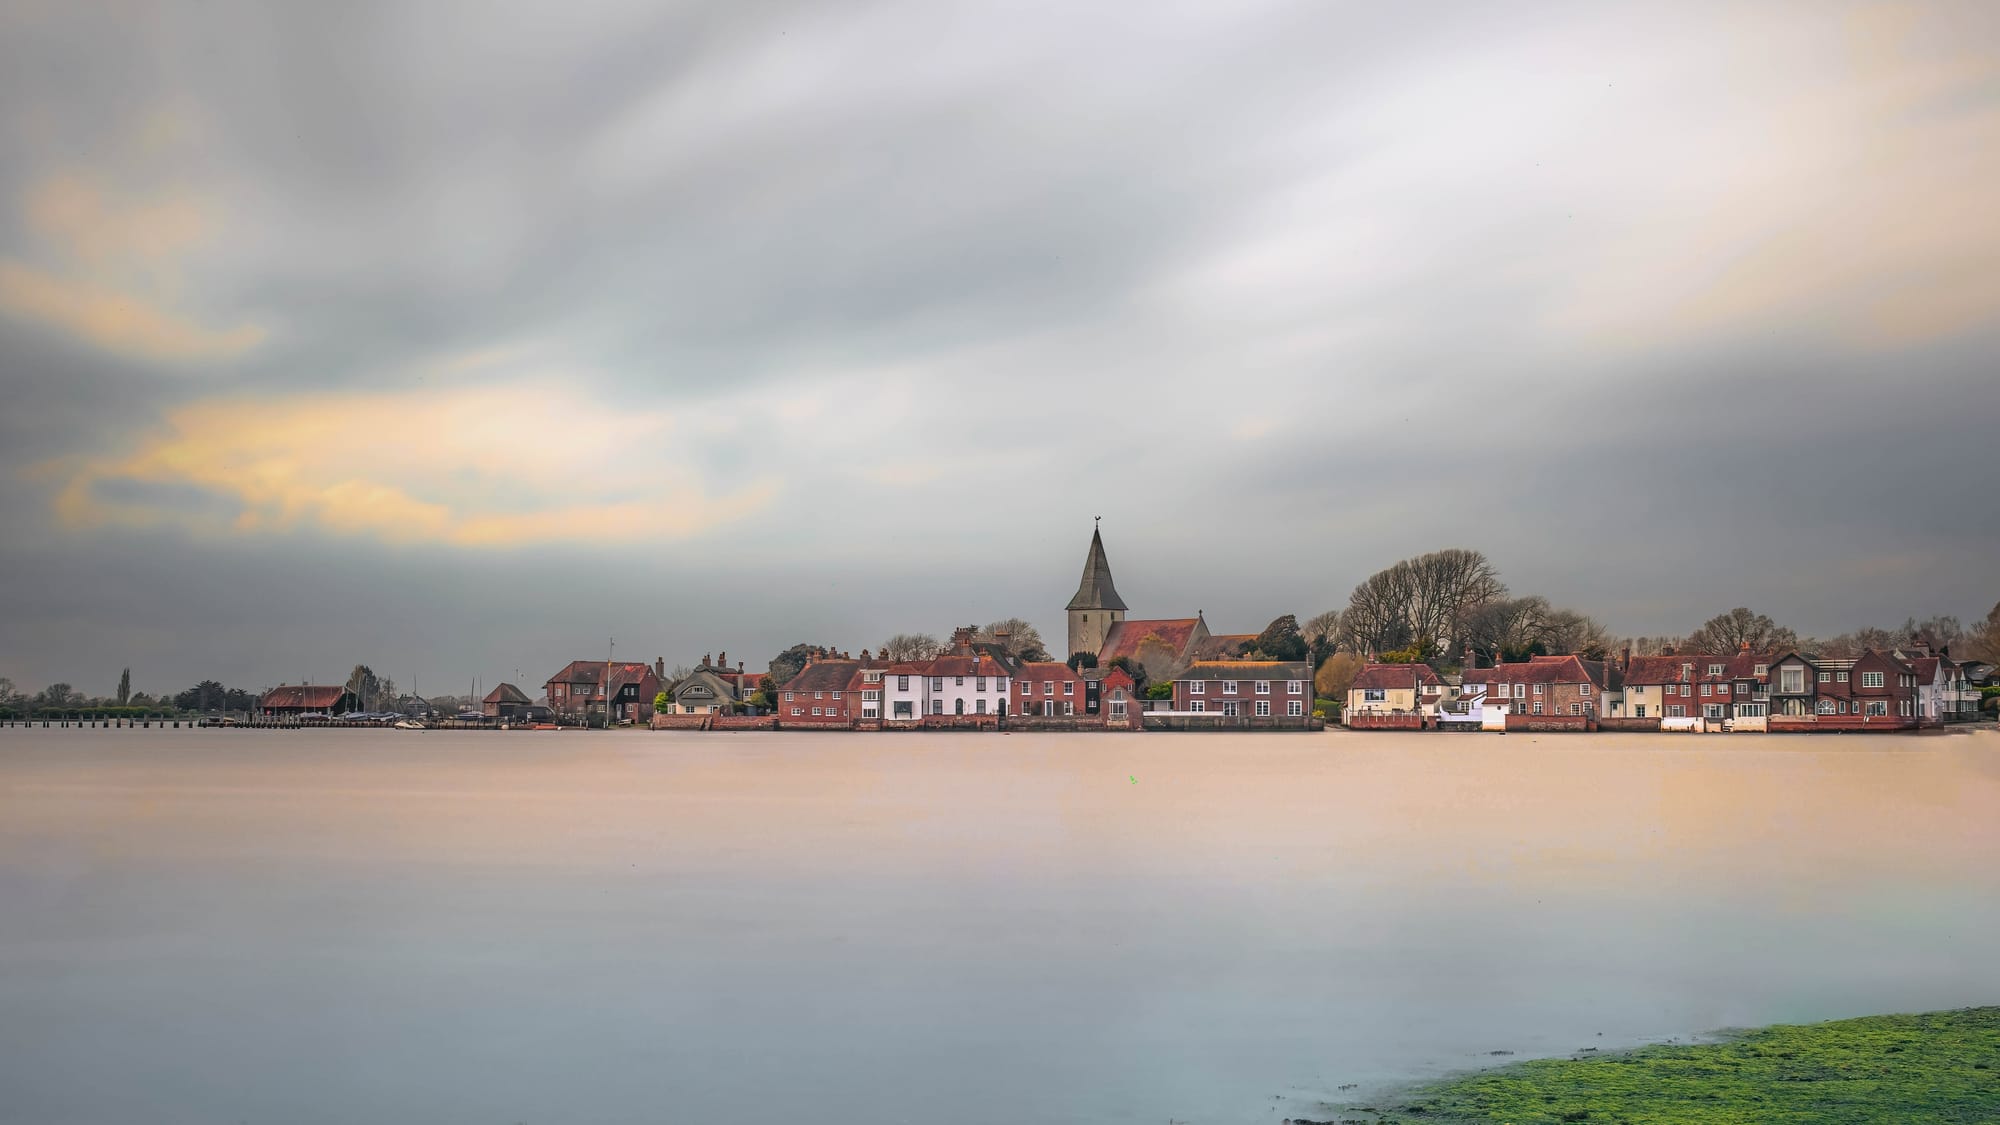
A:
[(410, 724)]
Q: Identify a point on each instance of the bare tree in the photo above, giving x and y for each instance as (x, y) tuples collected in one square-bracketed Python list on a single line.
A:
[(1428, 599), (1023, 641), (1727, 632), (911, 646), (1983, 643)]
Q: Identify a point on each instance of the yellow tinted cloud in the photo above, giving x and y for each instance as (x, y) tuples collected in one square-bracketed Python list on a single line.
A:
[(119, 273), (495, 466), (116, 321)]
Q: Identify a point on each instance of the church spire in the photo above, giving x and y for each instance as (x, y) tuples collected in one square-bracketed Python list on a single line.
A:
[(1096, 591)]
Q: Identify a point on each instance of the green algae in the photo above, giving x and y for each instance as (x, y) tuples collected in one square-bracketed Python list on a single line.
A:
[(1937, 1067)]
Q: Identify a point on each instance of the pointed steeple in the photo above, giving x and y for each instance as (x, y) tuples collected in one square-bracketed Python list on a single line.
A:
[(1096, 590)]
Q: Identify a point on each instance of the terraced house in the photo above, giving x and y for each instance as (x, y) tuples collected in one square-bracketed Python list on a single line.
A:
[(1873, 691), (1252, 689), (1695, 685), (1547, 687)]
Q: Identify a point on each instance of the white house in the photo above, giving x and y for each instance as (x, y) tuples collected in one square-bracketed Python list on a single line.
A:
[(946, 686)]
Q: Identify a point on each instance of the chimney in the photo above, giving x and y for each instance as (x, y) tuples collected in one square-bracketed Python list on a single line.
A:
[(705, 662), (739, 667), (660, 667), (722, 661), (1626, 664)]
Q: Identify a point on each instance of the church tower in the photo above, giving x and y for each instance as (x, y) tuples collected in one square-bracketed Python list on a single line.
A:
[(1096, 605)]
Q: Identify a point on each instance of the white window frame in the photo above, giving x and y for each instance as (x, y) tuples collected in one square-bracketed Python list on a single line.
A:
[(1197, 687), (1263, 708), (1873, 680), (1229, 687), (1263, 687), (1296, 709)]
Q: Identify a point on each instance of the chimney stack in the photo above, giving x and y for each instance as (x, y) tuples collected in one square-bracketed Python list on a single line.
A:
[(722, 661)]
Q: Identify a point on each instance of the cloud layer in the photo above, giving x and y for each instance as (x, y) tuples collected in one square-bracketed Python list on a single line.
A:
[(788, 322)]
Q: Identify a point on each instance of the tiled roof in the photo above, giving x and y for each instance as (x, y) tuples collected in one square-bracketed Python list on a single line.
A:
[(1386, 677), (1126, 637), (1666, 669), (1222, 646), (1546, 670), (824, 675), (1046, 670), (1245, 670), (302, 695), (506, 693)]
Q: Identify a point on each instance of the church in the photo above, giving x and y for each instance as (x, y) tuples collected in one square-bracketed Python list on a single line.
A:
[(1164, 647)]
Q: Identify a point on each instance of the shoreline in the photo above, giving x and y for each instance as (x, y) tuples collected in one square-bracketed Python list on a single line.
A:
[(1941, 1066)]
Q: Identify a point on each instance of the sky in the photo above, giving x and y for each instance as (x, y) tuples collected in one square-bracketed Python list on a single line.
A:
[(462, 340)]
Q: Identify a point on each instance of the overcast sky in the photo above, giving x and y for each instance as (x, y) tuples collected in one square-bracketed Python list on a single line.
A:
[(457, 338)]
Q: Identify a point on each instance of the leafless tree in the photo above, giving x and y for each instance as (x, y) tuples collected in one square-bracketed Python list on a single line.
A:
[(911, 646), (1431, 597), (1983, 643), (1727, 632), (1023, 640)]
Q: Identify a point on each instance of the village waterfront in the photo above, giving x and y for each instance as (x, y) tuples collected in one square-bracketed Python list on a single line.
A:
[(359, 925)]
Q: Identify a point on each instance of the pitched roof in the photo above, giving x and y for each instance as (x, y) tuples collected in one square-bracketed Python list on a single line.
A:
[(1541, 670), (506, 693), (824, 675), (1096, 590), (1126, 637), (1245, 670), (1666, 669), (303, 695), (1223, 646), (1407, 677), (1046, 670)]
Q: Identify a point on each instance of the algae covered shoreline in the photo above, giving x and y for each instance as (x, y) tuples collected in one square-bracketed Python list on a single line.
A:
[(1929, 1067)]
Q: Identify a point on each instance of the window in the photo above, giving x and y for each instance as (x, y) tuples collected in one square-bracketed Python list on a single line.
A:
[(981, 685), (1871, 679), (871, 697), (1715, 669), (1500, 691), (1373, 695), (937, 683), (818, 695), (1295, 687), (1704, 689), (1048, 687), (1576, 708), (815, 710), (1541, 689), (1069, 707), (1743, 689), (1825, 706), (903, 707), (1842, 677), (788, 697), (1263, 687), (1676, 711), (1520, 691), (1638, 710), (1826, 677), (1761, 670), (1792, 679), (937, 706), (1198, 706), (902, 683), (1685, 689), (1196, 687), (1118, 706), (1296, 709), (795, 710), (980, 707), (1229, 709), (959, 681), (1583, 690), (1263, 708), (1229, 687), (1069, 687), (1538, 706), (1879, 707), (1713, 711)]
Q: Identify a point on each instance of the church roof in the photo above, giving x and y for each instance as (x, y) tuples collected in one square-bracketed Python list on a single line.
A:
[(1096, 590), (1126, 638)]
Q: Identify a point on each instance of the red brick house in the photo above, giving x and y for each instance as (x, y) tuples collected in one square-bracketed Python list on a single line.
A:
[(1047, 689), (1252, 689), (833, 691), (1545, 687), (1873, 691), (1697, 685), (579, 690)]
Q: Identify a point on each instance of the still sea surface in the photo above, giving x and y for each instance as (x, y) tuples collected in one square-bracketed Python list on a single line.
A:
[(574, 928)]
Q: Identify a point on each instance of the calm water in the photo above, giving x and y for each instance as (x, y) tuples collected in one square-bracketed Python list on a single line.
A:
[(347, 926)]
